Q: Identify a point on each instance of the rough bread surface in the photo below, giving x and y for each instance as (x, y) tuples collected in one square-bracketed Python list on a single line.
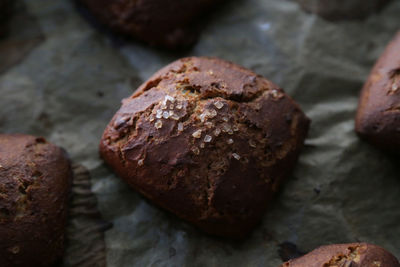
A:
[(171, 24), (35, 179), (378, 115), (339, 9), (207, 140), (346, 255)]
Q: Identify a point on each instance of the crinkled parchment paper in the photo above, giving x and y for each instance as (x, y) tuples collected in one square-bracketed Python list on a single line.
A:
[(70, 78)]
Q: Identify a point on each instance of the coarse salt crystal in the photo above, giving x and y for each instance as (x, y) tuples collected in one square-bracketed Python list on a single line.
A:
[(203, 117), (174, 117), (165, 114), (169, 98), (180, 126), (217, 131), (209, 124), (207, 138), (226, 128), (230, 141), (275, 93), (236, 156), (158, 124), (212, 113), (140, 162), (197, 134), (218, 104)]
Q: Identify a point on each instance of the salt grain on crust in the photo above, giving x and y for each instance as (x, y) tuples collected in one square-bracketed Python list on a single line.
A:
[(207, 138), (226, 128), (395, 87), (158, 124), (159, 114), (169, 98), (218, 104), (236, 156), (180, 127), (275, 93), (165, 114), (197, 134), (209, 124), (212, 113), (174, 116)]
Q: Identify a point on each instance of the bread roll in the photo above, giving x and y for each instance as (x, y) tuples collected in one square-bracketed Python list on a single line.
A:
[(346, 255), (35, 181), (171, 24), (207, 140), (378, 115)]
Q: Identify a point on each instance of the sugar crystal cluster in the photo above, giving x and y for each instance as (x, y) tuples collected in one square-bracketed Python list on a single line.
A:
[(169, 108)]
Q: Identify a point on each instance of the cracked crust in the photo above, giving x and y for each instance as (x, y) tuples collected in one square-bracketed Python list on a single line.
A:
[(207, 140), (346, 255), (35, 179), (340, 10), (378, 115), (171, 24)]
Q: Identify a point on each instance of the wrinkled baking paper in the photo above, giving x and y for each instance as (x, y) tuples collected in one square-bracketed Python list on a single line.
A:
[(71, 79)]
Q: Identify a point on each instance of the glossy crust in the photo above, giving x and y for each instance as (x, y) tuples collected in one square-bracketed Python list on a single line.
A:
[(170, 24), (35, 180), (207, 140), (378, 115), (346, 255), (340, 10)]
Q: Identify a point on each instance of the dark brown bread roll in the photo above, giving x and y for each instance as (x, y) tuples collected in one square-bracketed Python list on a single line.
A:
[(346, 255), (35, 179), (378, 115), (207, 140), (171, 24), (339, 9)]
